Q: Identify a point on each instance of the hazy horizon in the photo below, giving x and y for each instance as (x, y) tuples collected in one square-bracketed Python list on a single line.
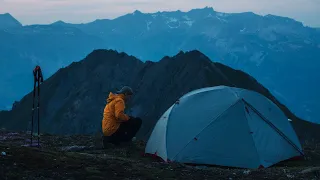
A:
[(79, 11)]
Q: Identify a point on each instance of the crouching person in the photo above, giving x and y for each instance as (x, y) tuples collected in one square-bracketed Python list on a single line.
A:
[(117, 127)]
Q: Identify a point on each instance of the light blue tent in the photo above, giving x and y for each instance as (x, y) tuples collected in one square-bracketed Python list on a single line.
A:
[(224, 126)]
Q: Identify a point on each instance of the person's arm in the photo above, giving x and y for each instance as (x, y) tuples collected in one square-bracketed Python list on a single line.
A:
[(119, 111)]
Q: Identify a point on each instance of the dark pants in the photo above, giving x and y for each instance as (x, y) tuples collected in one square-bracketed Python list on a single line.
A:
[(125, 133)]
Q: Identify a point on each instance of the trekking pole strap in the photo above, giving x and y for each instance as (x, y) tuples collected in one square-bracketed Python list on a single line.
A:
[(37, 73)]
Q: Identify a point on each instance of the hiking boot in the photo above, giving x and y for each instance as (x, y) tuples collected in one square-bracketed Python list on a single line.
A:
[(106, 143)]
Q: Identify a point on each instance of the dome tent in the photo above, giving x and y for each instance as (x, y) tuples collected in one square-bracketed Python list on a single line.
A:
[(224, 126)]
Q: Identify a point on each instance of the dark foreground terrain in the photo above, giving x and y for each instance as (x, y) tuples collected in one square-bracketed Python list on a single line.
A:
[(81, 157)]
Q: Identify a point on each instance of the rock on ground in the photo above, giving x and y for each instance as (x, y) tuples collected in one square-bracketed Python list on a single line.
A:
[(81, 157)]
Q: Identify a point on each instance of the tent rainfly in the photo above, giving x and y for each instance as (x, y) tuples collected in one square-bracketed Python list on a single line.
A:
[(224, 126)]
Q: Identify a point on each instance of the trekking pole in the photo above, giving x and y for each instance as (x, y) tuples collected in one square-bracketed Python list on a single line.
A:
[(34, 96), (39, 79), (37, 73)]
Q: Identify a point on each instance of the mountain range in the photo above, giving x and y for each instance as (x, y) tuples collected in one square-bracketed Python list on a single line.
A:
[(279, 52), (73, 99)]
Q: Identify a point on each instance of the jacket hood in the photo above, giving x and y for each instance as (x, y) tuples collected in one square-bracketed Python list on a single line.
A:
[(114, 96)]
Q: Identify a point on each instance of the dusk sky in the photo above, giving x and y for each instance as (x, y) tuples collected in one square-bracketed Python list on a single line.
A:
[(77, 11)]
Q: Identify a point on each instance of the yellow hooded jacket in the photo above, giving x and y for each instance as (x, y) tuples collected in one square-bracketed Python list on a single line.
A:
[(113, 114)]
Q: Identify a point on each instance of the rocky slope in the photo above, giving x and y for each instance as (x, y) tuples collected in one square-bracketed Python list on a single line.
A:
[(80, 157), (72, 100), (279, 52)]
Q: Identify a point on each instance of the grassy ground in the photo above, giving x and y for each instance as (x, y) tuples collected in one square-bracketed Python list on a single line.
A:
[(80, 157)]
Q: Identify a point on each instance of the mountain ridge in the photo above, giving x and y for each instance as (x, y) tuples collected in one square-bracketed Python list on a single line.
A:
[(271, 50), (72, 100), (137, 11), (8, 21)]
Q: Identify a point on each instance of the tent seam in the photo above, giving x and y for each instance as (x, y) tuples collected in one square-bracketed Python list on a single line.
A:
[(251, 135), (167, 130), (273, 127)]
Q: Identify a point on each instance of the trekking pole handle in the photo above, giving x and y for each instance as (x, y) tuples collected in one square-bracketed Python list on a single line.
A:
[(37, 73)]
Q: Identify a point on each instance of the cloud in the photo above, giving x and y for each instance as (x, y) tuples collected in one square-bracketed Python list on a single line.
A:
[(46, 11)]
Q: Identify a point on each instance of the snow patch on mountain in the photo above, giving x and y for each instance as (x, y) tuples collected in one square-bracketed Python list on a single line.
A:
[(210, 15), (154, 16), (173, 23), (172, 20), (186, 17), (148, 25), (243, 30), (174, 27), (220, 14), (189, 23), (258, 57), (221, 19)]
